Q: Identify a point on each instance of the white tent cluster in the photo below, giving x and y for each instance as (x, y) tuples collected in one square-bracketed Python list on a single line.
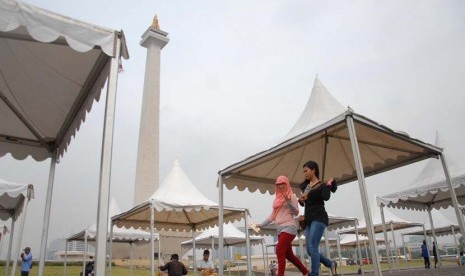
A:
[(177, 205), (347, 145)]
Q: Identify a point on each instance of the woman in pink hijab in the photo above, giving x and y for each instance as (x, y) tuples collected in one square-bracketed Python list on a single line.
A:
[(285, 208)]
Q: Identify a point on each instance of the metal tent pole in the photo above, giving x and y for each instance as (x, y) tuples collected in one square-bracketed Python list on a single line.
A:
[(328, 254), (434, 234), (363, 194), (110, 249), (339, 253), (455, 239), (105, 165), (152, 242), (405, 252), (193, 252), (265, 261), (20, 235), (10, 243), (48, 207), (358, 248), (247, 243), (130, 259), (388, 245), (66, 257), (84, 254), (220, 225), (455, 202), (395, 246)]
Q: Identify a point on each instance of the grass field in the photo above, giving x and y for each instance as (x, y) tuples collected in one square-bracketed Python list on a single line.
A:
[(124, 270)]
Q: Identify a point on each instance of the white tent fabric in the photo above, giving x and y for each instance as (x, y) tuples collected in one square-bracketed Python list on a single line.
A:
[(179, 206), (350, 240), (321, 107), (14, 200), (389, 218), (65, 80), (47, 88), (119, 234), (348, 147), (12, 196), (327, 141), (442, 226), (430, 187), (232, 237)]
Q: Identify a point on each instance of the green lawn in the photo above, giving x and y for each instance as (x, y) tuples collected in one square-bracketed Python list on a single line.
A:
[(120, 270), (75, 270)]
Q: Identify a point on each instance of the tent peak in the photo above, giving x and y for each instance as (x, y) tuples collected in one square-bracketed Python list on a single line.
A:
[(321, 107)]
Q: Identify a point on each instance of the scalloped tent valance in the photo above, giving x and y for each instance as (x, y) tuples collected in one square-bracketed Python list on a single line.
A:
[(430, 187), (232, 237), (52, 70)]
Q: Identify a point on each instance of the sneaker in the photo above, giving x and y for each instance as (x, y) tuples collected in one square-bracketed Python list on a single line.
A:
[(333, 269)]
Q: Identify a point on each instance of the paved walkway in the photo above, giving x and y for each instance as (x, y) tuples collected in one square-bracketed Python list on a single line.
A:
[(444, 271)]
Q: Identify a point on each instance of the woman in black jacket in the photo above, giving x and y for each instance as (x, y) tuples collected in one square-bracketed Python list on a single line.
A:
[(315, 193)]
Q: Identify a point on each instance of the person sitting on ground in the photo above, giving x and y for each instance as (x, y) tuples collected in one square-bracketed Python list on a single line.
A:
[(174, 266), (206, 266)]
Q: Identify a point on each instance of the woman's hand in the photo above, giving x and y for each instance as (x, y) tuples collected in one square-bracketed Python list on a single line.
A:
[(302, 198), (330, 182), (255, 227)]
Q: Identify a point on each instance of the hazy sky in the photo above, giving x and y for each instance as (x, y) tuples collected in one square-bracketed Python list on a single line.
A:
[(235, 77)]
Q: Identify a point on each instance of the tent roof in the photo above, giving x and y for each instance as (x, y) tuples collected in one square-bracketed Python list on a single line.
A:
[(327, 142), (178, 205), (119, 234), (439, 231), (231, 235), (52, 69), (351, 240), (430, 186), (442, 225), (12, 196), (389, 217)]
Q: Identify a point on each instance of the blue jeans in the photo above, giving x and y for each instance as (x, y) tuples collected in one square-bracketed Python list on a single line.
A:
[(313, 234)]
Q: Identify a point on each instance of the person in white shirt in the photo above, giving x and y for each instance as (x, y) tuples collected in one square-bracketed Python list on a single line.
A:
[(206, 265)]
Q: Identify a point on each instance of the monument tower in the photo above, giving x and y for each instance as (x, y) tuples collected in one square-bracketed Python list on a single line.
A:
[(147, 169)]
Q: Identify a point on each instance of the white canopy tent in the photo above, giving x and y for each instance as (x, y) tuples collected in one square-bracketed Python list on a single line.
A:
[(209, 238), (232, 237), (380, 224), (14, 199), (431, 189), (177, 205), (442, 227), (353, 241), (120, 235), (52, 69), (347, 146)]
